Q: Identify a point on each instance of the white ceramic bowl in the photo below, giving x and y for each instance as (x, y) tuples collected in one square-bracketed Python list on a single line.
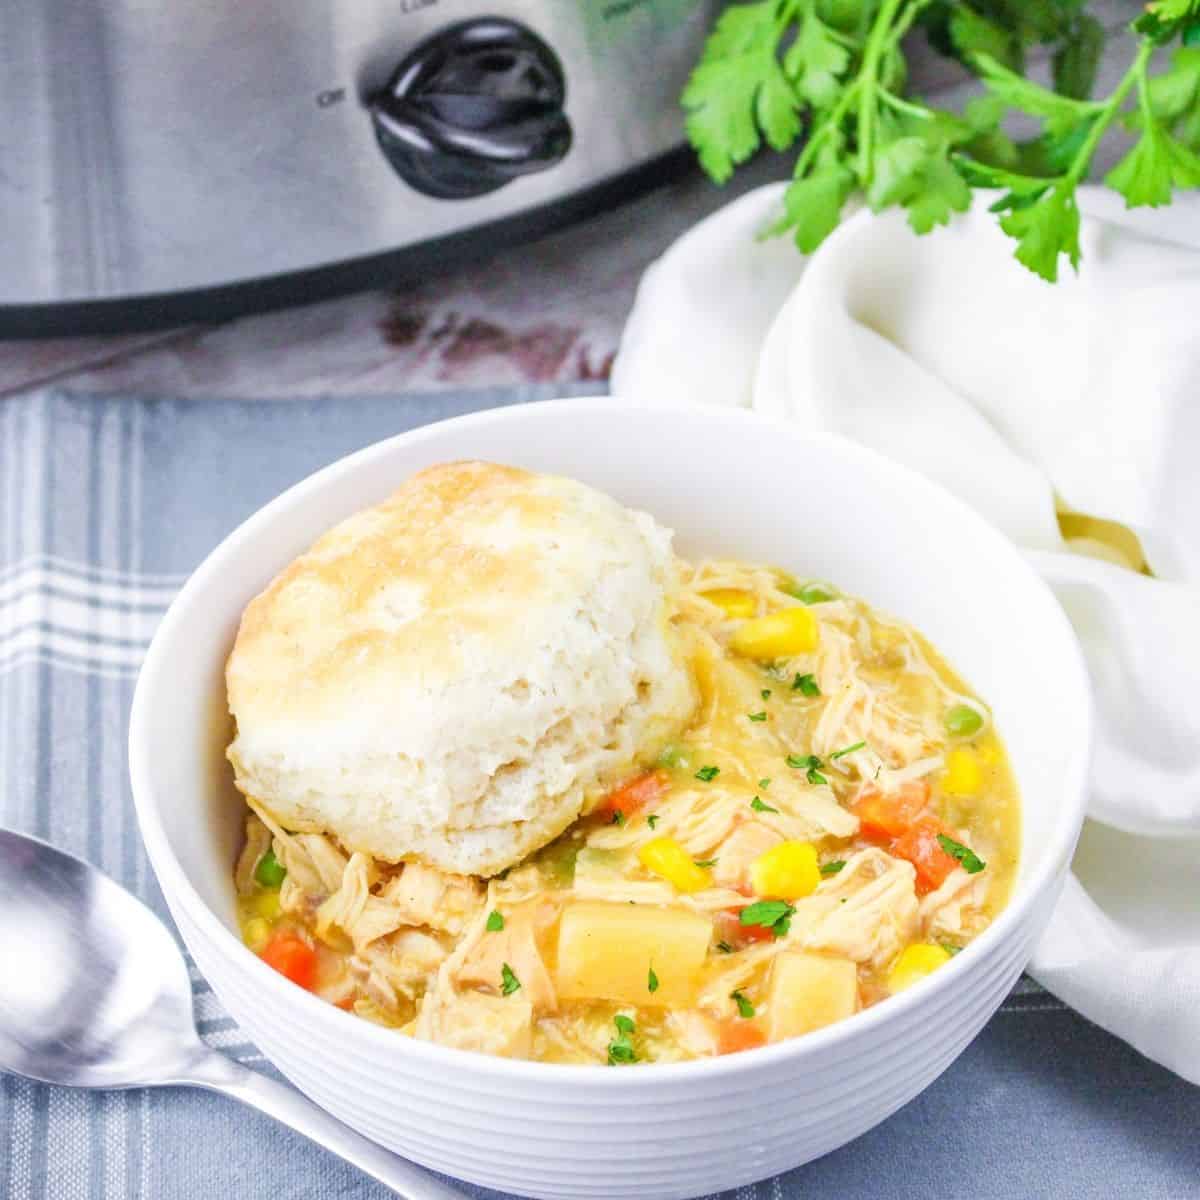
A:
[(730, 484)]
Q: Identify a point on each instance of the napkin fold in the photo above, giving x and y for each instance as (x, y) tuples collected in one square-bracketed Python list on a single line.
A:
[(1069, 416)]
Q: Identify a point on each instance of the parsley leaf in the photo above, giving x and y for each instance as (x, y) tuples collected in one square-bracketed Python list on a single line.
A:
[(759, 806), (806, 685), (765, 693), (509, 983), (832, 868), (651, 981), (1045, 228), (620, 1049), (744, 1007), (758, 716), (775, 915), (764, 784), (495, 921), (739, 88), (652, 820), (705, 863), (724, 947), (848, 750), (617, 818), (971, 862), (708, 774)]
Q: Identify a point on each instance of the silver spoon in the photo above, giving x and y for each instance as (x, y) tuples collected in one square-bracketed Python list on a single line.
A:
[(94, 993)]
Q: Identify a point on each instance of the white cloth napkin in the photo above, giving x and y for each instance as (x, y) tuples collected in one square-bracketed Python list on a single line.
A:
[(1026, 400)]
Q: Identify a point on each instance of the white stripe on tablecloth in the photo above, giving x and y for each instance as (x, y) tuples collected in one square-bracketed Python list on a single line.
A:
[(37, 574), (87, 571), (67, 1169)]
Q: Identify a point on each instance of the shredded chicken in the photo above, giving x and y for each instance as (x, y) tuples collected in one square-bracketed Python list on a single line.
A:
[(477, 1021), (740, 849), (424, 896), (258, 842), (485, 953), (955, 907), (867, 912)]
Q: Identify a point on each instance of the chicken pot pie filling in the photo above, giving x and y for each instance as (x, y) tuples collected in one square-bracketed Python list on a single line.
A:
[(837, 822)]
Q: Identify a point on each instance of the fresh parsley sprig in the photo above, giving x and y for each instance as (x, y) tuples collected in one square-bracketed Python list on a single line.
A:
[(834, 72)]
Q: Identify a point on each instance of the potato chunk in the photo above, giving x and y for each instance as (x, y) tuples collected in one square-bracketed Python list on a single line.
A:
[(606, 952), (808, 991)]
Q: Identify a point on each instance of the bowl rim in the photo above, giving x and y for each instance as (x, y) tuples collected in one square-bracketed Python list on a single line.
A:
[(179, 891)]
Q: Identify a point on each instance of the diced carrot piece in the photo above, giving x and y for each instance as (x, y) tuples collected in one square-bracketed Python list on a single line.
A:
[(885, 815), (346, 1003), (293, 958), (635, 793), (734, 1036), (732, 932), (920, 846)]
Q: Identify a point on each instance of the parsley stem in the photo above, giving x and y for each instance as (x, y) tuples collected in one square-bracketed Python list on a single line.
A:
[(1083, 157), (830, 124), (919, 111), (877, 42)]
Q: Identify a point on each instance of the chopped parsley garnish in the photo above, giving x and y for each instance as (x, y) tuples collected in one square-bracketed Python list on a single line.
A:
[(950, 948), (832, 868), (775, 915), (651, 981), (705, 863), (509, 983), (620, 1049), (765, 693), (724, 947), (495, 921), (745, 1008), (806, 685), (809, 763), (708, 774), (758, 716), (759, 806), (764, 784), (971, 862), (848, 750), (618, 817), (652, 820)]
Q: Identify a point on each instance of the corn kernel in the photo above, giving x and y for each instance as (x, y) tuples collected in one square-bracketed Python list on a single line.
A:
[(782, 634), (266, 905), (963, 776), (665, 857), (733, 602), (786, 872), (257, 933), (914, 963)]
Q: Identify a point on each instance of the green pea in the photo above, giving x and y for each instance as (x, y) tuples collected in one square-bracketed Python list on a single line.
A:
[(962, 721), (672, 756), (270, 872), (815, 592)]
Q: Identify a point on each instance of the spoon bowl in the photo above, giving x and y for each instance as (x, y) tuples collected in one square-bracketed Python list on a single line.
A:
[(95, 993)]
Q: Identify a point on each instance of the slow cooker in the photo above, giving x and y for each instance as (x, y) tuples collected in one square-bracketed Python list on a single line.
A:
[(164, 163)]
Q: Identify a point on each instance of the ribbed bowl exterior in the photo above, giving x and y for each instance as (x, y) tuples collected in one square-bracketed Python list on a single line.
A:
[(680, 1135)]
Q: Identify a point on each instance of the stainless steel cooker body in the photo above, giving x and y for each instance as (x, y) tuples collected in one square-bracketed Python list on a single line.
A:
[(170, 161)]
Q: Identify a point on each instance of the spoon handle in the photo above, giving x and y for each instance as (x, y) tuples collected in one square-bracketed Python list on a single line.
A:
[(290, 1107)]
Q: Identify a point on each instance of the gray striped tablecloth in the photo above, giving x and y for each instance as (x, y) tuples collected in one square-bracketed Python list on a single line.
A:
[(106, 504)]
